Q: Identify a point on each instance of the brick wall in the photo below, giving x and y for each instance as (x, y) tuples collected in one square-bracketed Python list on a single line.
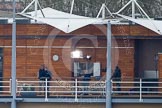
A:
[(32, 53), (41, 44), (99, 30)]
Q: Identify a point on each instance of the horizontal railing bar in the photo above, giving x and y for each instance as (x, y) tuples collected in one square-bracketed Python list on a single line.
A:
[(128, 82), (150, 87), (48, 81), (100, 87), (124, 87), (4, 86), (5, 81), (138, 82), (5, 91)]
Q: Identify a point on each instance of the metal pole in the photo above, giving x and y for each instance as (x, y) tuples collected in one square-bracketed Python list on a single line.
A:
[(36, 7), (72, 5), (103, 11), (123, 7), (108, 70), (133, 9), (99, 11), (28, 6), (13, 66)]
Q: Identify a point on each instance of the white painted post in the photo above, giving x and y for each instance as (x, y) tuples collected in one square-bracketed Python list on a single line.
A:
[(140, 90), (46, 99), (76, 90), (16, 85), (10, 85)]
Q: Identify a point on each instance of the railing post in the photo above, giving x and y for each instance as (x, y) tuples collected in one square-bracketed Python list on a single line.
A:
[(16, 85), (111, 86), (76, 90), (140, 90), (46, 99), (10, 85)]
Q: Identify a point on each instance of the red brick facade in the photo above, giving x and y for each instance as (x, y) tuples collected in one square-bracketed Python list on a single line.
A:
[(36, 45)]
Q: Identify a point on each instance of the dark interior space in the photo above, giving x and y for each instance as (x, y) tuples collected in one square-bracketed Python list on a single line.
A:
[(145, 56)]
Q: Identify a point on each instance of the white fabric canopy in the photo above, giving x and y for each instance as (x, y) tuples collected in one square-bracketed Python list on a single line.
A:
[(154, 25), (61, 20)]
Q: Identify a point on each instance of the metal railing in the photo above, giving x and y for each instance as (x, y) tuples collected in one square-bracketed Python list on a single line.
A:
[(74, 88), (77, 88), (5, 86), (137, 87)]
